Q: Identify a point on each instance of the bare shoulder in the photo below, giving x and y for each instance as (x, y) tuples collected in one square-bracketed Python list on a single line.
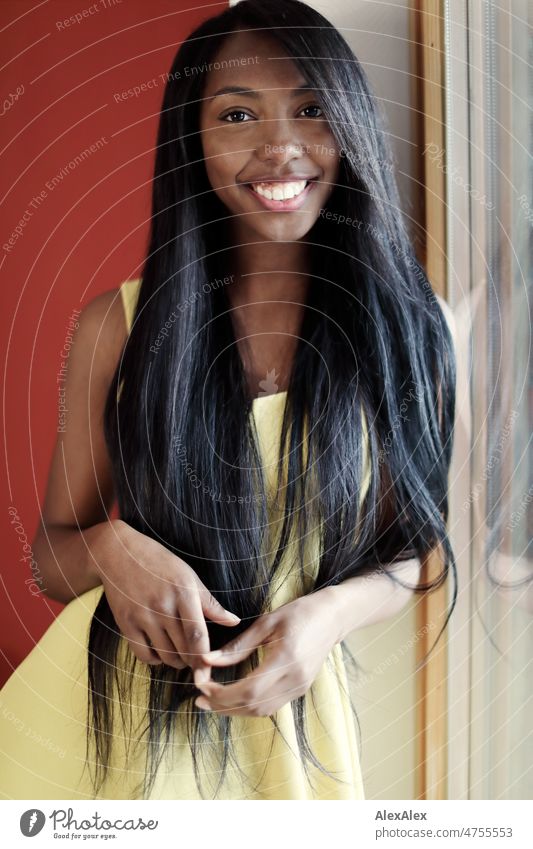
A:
[(102, 332), (104, 309)]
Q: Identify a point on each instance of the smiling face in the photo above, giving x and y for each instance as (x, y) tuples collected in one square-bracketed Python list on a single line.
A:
[(269, 152)]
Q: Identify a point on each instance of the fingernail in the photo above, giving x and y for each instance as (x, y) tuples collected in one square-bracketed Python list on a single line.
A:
[(202, 703), (213, 654), (233, 615)]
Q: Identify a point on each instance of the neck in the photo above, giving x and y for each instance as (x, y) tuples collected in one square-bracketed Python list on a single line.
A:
[(269, 271), (267, 300)]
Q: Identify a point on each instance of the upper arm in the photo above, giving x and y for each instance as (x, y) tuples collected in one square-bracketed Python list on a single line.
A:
[(80, 488)]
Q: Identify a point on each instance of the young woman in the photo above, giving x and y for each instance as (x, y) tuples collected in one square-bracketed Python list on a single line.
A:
[(271, 402)]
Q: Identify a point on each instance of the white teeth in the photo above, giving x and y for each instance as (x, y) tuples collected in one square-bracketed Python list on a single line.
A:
[(279, 191)]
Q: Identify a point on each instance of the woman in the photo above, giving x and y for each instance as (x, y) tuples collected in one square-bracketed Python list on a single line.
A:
[(281, 315)]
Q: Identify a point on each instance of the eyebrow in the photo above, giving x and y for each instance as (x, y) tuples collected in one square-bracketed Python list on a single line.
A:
[(250, 92)]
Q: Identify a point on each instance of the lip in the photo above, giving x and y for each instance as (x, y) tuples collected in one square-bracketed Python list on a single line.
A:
[(291, 178), (282, 205)]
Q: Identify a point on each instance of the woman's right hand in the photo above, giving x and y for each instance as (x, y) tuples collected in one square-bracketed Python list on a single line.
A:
[(158, 601)]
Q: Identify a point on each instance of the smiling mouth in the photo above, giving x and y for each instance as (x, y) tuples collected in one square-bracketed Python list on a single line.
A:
[(281, 190)]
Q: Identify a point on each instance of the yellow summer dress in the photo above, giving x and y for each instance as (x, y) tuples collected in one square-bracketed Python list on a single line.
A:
[(44, 702)]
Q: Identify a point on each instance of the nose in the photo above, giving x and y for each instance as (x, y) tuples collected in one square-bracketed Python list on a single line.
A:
[(278, 143)]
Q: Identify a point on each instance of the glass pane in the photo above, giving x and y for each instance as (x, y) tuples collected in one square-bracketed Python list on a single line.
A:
[(500, 502)]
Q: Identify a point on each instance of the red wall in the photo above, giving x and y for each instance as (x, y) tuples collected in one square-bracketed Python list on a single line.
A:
[(82, 236)]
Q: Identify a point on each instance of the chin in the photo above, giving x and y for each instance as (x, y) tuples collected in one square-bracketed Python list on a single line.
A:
[(285, 231)]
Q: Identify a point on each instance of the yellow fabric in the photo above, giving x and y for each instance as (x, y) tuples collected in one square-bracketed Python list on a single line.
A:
[(43, 705)]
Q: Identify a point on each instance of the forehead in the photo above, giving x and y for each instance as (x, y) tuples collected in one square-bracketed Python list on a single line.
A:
[(254, 60)]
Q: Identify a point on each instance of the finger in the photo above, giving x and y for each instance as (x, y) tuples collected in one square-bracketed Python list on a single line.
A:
[(275, 661), (261, 702), (139, 643), (194, 626), (261, 683), (240, 647), (222, 710), (174, 631), (203, 703), (212, 608), (164, 647), (202, 676)]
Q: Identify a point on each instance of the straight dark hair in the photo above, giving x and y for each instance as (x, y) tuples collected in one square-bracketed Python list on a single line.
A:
[(372, 322)]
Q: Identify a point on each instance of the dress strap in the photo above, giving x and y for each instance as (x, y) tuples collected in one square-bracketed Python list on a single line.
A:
[(129, 291), (366, 477)]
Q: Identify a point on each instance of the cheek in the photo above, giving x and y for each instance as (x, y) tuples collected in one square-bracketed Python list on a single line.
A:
[(336, 167), (214, 163), (324, 150), (222, 164), (213, 174), (330, 164)]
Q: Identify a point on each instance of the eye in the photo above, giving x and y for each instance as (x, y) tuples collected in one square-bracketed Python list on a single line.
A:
[(312, 106), (233, 112)]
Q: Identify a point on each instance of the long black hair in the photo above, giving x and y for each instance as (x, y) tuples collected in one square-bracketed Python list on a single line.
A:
[(372, 322)]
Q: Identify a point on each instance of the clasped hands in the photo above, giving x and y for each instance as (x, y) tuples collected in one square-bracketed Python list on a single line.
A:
[(296, 639), (160, 606)]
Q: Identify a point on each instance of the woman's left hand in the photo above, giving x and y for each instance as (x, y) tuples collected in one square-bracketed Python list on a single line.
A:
[(296, 637)]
